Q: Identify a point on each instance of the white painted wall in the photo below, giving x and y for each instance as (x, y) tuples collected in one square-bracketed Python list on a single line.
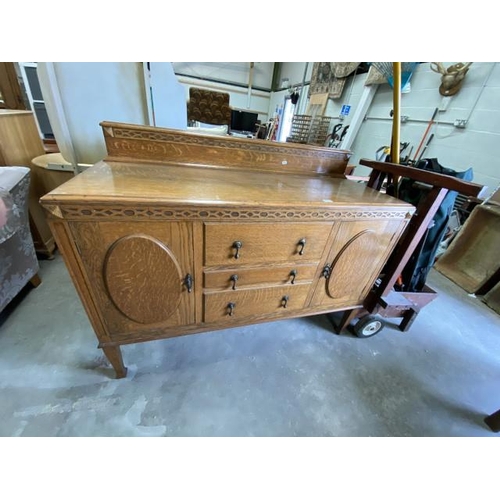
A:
[(294, 72), (238, 97), (167, 102), (476, 146), (235, 78), (95, 92), (228, 72), (78, 96)]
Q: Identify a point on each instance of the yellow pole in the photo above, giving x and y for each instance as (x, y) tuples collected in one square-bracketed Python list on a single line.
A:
[(396, 117), (396, 120)]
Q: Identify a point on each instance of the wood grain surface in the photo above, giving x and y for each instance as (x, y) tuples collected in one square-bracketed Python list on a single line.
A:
[(264, 242), (130, 142), (141, 266), (254, 302), (131, 294), (276, 273), (357, 255), (12, 94), (175, 204), (20, 142), (170, 185)]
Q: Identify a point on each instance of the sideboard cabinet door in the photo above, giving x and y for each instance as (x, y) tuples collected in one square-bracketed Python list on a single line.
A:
[(359, 250), (141, 273)]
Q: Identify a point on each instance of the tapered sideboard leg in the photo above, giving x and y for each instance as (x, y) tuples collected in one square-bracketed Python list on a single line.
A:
[(493, 421), (347, 317), (35, 281), (114, 355)]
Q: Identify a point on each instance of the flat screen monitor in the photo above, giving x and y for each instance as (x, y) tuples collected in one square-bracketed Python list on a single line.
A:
[(243, 121)]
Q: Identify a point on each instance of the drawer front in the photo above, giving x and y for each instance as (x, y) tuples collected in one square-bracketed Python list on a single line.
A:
[(253, 302), (238, 277), (264, 242)]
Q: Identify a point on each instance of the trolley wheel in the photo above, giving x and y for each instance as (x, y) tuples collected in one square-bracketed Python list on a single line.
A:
[(368, 327)]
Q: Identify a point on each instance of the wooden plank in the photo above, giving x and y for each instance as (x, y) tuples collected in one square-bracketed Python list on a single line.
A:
[(471, 260), (437, 180), (317, 104), (156, 144), (184, 185), (492, 298), (411, 238), (10, 88)]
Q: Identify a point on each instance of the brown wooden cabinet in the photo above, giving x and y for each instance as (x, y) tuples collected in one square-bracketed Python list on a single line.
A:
[(20, 142), (357, 253), (138, 273), (176, 233)]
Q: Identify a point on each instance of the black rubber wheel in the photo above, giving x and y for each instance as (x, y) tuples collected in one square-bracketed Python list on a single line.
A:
[(368, 327)]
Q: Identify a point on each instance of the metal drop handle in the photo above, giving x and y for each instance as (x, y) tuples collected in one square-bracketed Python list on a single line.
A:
[(302, 244), (231, 307), (234, 279), (188, 282), (237, 246), (326, 272), (284, 301), (293, 274)]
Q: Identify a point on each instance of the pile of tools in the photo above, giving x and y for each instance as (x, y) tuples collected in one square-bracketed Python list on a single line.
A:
[(384, 152)]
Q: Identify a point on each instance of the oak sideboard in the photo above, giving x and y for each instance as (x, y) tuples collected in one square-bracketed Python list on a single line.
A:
[(176, 233)]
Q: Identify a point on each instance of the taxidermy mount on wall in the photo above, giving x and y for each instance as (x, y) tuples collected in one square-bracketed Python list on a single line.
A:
[(452, 78)]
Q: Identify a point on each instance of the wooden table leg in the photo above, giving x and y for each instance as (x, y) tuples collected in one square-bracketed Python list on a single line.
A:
[(36, 280), (493, 421), (114, 355)]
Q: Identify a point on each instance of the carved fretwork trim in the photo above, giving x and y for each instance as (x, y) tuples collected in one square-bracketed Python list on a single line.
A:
[(154, 213), (159, 136)]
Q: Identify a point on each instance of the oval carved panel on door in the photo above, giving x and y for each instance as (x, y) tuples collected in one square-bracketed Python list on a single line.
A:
[(143, 278), (351, 265)]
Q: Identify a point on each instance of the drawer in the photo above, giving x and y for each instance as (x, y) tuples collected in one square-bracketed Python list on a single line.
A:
[(264, 242), (253, 302), (248, 276)]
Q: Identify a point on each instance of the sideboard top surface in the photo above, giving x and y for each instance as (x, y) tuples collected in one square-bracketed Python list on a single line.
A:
[(177, 184)]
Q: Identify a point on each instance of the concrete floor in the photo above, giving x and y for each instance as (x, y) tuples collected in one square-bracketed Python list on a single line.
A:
[(287, 378)]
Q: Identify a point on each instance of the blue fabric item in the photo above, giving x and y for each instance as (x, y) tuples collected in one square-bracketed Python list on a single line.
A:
[(416, 271)]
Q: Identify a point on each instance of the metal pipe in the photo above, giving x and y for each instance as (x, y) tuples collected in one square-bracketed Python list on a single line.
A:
[(250, 81), (396, 118), (416, 120)]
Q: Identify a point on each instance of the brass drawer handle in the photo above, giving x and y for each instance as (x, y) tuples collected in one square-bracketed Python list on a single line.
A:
[(237, 245), (284, 301), (234, 279), (188, 282), (231, 307), (302, 244), (293, 274)]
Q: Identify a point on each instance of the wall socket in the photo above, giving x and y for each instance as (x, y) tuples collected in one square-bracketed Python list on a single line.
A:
[(460, 123)]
